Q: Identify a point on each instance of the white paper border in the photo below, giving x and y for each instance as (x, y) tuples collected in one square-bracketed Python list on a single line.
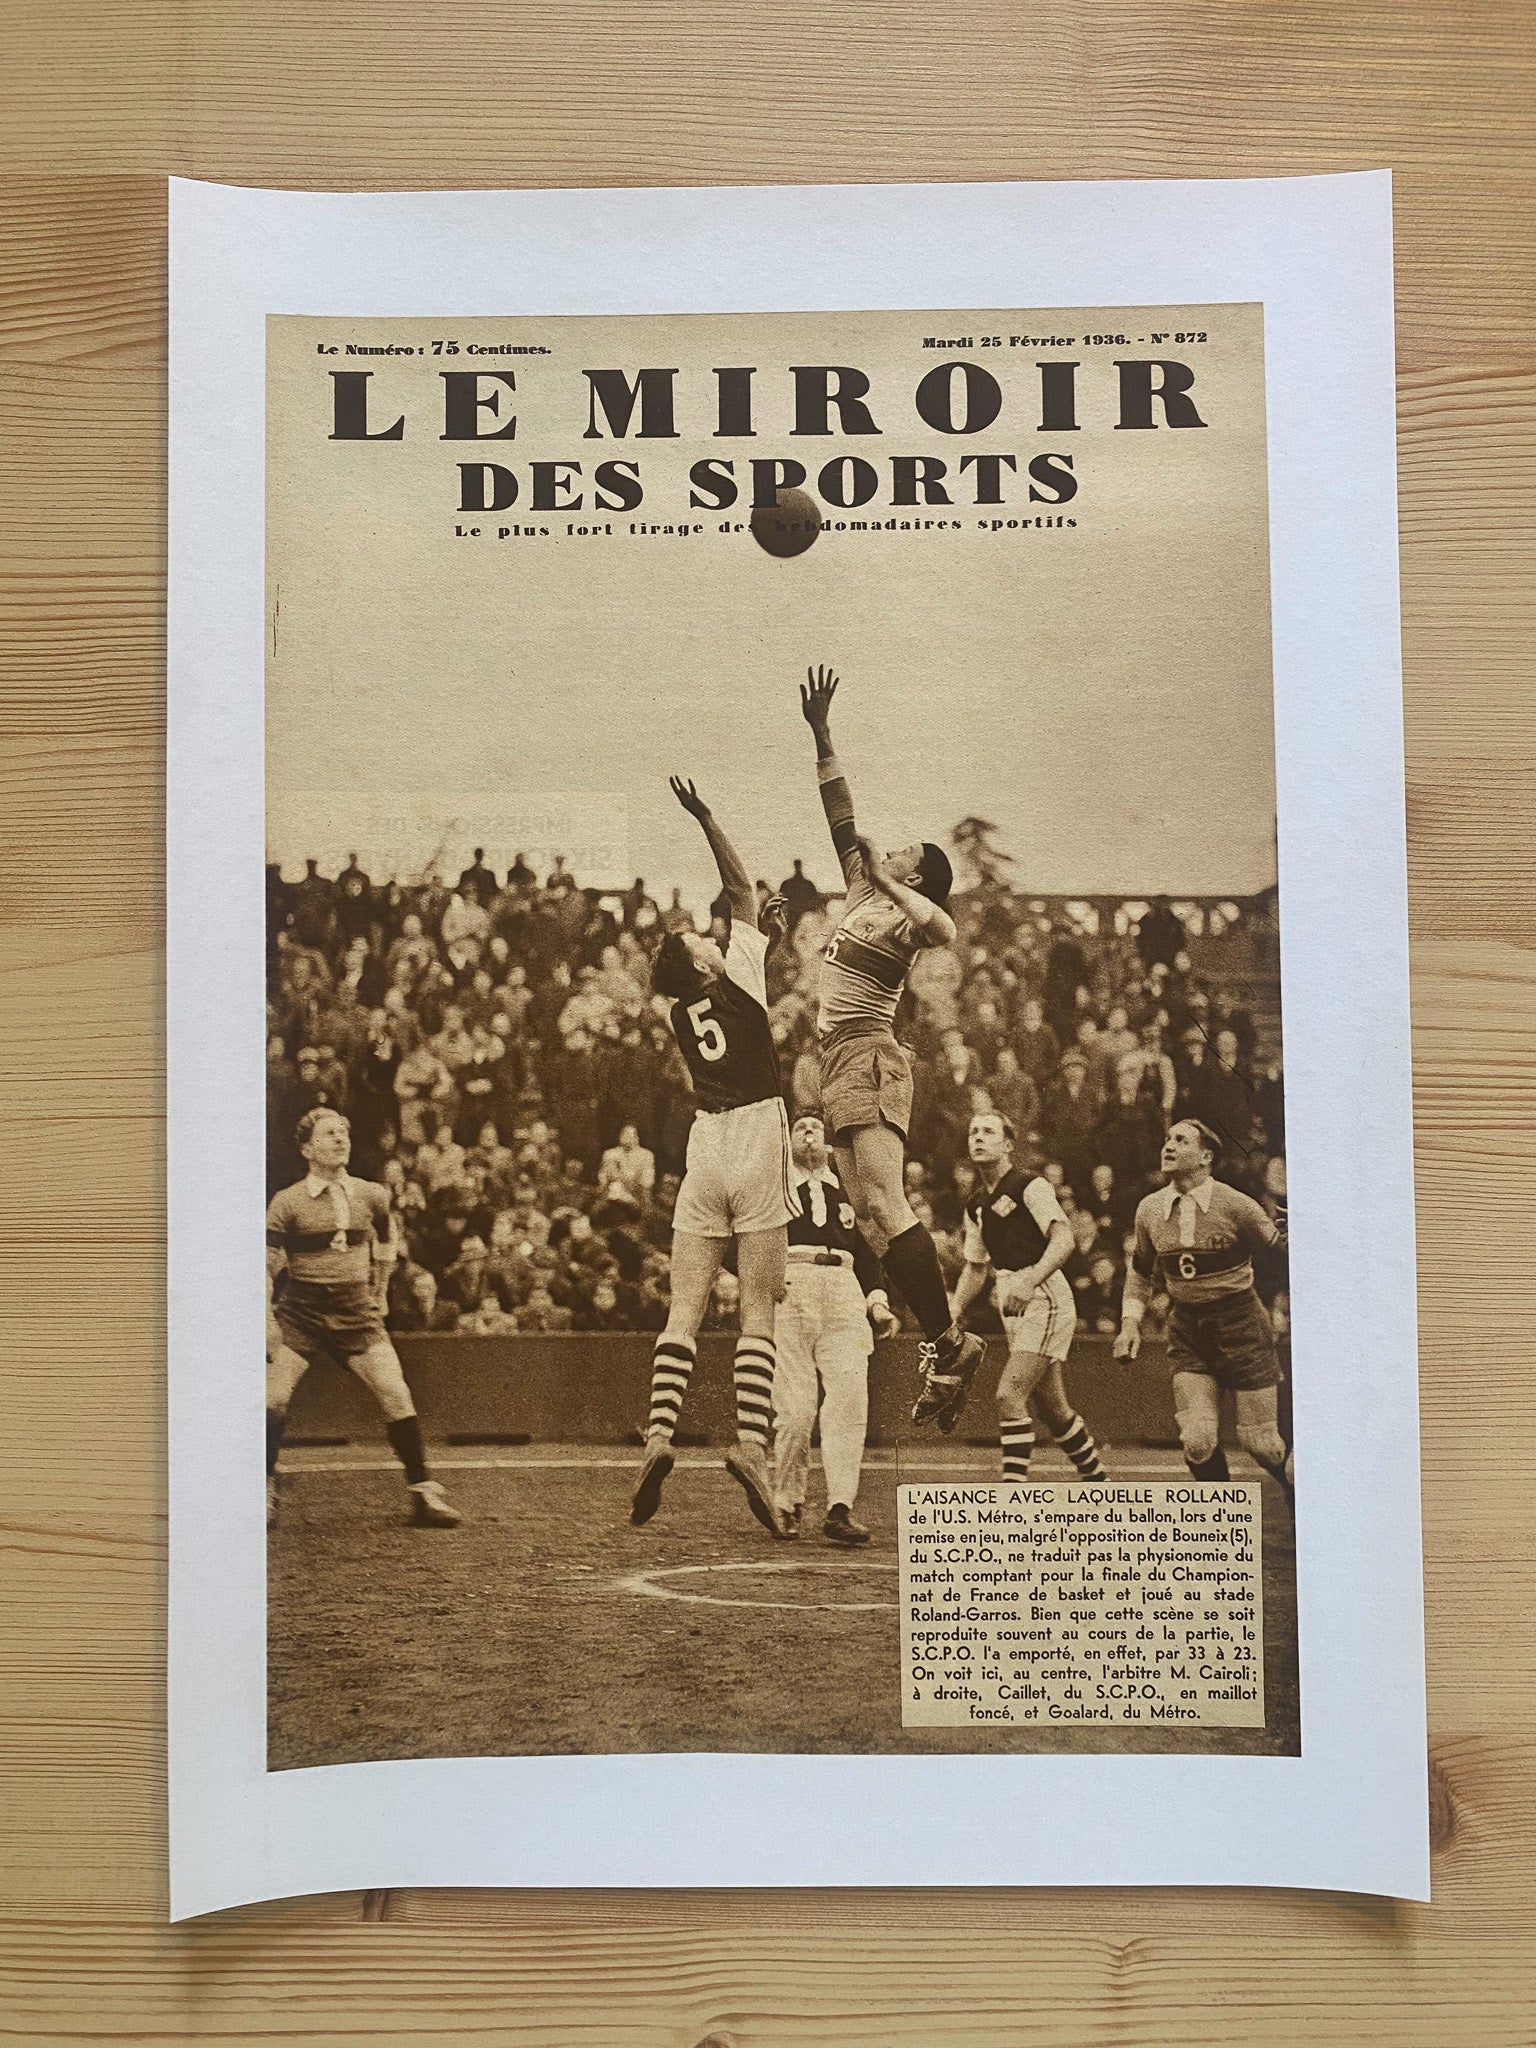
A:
[(1351, 1812)]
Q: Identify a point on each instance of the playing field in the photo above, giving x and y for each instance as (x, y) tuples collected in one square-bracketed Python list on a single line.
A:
[(547, 1625)]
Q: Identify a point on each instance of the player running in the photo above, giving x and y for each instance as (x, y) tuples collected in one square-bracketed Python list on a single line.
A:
[(1197, 1238), (1016, 1228), (737, 1182), (893, 910), (331, 1237), (832, 1297)]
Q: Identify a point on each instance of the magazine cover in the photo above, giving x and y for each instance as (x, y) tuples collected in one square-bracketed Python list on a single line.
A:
[(776, 947), (774, 1036)]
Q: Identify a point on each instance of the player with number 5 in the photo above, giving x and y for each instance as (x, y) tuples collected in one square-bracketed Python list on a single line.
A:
[(738, 1181)]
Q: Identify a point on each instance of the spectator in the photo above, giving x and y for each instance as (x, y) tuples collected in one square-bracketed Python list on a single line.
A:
[(1037, 1046), (1160, 937), (801, 896), (422, 1082), (1069, 1118), (466, 926), (1129, 1138), (628, 1166), (478, 881)]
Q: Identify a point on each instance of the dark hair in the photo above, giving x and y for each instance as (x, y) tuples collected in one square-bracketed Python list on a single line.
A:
[(935, 876), (311, 1117), (672, 972), (1209, 1140)]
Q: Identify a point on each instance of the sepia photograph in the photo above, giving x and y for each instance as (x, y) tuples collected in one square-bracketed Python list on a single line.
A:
[(773, 999)]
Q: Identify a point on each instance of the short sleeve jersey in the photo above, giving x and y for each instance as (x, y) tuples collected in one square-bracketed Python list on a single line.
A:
[(1008, 1227), (865, 965), (326, 1230), (724, 1035), (1202, 1249)]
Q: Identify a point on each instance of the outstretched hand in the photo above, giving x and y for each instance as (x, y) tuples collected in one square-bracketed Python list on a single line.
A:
[(816, 694), (688, 797), (773, 918)]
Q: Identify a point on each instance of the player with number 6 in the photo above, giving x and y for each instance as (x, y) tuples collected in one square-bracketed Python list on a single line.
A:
[(738, 1181), (1197, 1237)]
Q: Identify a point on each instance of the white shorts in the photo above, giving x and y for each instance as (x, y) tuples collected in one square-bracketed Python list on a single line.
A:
[(1049, 1322), (738, 1176)]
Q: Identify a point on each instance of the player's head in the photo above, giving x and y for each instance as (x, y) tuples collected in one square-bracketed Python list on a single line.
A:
[(990, 1139), (1191, 1147), (685, 965), (324, 1138), (808, 1142), (923, 867)]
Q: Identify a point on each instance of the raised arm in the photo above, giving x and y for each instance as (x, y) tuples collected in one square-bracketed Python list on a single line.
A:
[(734, 878), (816, 694)]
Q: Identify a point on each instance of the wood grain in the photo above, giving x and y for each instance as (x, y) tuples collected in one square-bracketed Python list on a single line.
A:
[(102, 98)]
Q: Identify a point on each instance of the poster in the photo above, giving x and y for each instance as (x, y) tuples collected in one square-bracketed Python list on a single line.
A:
[(784, 933)]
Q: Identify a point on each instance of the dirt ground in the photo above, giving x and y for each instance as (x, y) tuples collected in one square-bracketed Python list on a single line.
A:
[(546, 1625)]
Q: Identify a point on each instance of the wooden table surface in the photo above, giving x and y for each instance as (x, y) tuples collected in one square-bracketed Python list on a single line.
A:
[(103, 98)]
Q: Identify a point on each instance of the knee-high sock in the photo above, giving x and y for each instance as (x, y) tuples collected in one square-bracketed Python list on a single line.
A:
[(405, 1441), (1080, 1447), (1213, 1467), (1018, 1441), (754, 1389), (671, 1370), (277, 1422), (1281, 1477), (913, 1263)]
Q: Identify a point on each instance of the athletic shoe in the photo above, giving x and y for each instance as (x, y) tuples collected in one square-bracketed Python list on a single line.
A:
[(948, 1370), (271, 1500), (840, 1527), (429, 1506), (659, 1461), (748, 1466), (789, 1520)]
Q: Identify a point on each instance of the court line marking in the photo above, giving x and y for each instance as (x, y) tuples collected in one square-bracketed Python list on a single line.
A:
[(645, 1583)]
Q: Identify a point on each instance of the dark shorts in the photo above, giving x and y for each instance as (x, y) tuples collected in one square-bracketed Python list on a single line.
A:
[(866, 1079), (1229, 1341), (340, 1321)]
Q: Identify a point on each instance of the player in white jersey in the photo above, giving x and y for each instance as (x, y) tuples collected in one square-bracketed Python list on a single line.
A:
[(1015, 1228), (893, 910), (738, 1181)]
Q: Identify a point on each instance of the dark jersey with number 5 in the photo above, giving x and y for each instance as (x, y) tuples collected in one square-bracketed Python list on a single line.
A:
[(724, 1034)]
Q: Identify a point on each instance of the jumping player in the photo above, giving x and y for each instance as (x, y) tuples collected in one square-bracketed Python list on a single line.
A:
[(893, 909), (832, 1297), (1198, 1237), (737, 1182), (1016, 1228), (331, 1236)]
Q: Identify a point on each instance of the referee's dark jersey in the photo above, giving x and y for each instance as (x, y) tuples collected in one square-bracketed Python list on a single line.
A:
[(826, 1227)]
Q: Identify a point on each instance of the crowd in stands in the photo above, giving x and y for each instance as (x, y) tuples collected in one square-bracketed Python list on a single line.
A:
[(512, 1081)]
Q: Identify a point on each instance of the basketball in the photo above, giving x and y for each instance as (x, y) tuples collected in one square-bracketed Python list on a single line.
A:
[(788, 526)]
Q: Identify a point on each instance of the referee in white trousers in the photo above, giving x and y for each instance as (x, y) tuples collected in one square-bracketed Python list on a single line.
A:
[(828, 1318)]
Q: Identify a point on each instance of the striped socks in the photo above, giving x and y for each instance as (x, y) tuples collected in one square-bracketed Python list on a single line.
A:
[(671, 1369), (755, 1358), (1081, 1449), (1018, 1440)]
